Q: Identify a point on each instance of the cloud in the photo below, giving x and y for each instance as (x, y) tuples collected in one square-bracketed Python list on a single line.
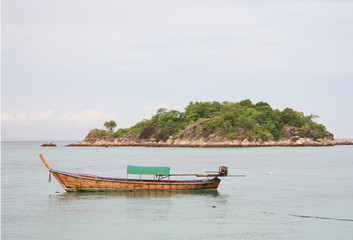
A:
[(130, 35), (44, 115), (83, 118), (13, 118), (86, 117), (136, 54)]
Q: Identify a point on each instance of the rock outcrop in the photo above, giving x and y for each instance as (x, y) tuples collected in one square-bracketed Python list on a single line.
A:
[(289, 131), (345, 142), (192, 136), (48, 144), (292, 133)]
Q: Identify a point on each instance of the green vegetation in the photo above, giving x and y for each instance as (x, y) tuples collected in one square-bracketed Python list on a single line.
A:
[(168, 122), (121, 132), (110, 125), (257, 120)]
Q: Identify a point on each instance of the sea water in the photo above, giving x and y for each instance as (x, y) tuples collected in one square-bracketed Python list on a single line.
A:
[(288, 193)]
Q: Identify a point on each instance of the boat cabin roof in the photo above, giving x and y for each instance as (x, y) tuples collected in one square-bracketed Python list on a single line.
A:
[(163, 170)]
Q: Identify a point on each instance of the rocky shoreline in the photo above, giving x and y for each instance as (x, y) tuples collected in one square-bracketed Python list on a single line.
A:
[(301, 142), (191, 136)]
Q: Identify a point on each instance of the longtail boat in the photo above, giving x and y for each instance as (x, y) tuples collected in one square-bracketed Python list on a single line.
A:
[(72, 182)]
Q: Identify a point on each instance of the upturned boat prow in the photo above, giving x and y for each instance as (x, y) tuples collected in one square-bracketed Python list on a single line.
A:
[(45, 162), (161, 182)]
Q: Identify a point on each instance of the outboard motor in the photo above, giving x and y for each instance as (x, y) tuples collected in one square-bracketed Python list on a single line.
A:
[(223, 171)]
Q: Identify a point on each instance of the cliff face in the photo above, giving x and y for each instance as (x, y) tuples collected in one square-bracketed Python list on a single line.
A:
[(192, 136)]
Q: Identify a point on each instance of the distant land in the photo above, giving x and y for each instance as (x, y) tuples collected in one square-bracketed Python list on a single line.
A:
[(215, 124)]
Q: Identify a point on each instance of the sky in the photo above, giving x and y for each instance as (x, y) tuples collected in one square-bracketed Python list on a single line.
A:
[(69, 66)]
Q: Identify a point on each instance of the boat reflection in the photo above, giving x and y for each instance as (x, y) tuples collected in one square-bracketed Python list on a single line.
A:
[(68, 196)]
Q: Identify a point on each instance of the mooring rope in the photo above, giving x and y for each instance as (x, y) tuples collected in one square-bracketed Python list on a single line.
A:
[(325, 218)]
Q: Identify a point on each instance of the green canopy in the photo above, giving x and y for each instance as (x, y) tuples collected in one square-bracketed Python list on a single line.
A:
[(148, 170)]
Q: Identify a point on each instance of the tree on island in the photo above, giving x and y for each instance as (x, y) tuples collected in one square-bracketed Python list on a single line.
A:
[(110, 125)]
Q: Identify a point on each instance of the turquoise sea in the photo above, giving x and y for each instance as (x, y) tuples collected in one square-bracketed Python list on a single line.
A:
[(309, 194)]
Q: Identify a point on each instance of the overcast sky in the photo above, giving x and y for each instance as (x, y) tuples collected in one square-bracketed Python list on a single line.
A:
[(68, 66)]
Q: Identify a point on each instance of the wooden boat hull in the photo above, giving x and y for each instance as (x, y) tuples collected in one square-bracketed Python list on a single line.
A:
[(72, 182)]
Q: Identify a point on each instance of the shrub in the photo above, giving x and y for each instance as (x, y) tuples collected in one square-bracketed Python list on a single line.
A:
[(121, 132), (320, 131), (304, 130), (232, 135)]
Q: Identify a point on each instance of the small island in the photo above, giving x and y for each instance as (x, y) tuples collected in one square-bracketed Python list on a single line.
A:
[(215, 124), (48, 144)]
